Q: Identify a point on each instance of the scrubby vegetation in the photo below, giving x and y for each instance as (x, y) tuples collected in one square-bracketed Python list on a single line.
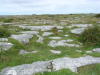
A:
[(4, 32), (91, 36), (98, 15), (6, 20)]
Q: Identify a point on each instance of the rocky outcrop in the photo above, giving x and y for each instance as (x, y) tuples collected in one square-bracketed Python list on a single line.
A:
[(52, 65)]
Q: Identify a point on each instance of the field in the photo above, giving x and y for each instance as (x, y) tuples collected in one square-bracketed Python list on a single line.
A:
[(36, 38)]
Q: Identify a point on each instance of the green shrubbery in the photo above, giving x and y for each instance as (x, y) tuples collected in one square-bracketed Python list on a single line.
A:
[(4, 32), (6, 20), (91, 36), (98, 15)]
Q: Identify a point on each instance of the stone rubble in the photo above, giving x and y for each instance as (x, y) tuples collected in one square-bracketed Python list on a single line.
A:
[(56, 64)]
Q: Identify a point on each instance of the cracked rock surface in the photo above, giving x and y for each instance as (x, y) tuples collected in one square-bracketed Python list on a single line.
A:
[(56, 64)]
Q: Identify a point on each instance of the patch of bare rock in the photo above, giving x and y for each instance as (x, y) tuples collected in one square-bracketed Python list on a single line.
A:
[(52, 65)]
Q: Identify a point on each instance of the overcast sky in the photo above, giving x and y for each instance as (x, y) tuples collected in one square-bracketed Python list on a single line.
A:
[(14, 7)]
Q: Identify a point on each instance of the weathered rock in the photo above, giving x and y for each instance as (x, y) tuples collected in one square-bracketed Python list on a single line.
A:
[(26, 52), (77, 30), (55, 37), (24, 38), (96, 50), (30, 32), (43, 28), (66, 35), (54, 65), (5, 46), (81, 25), (88, 51), (74, 63), (47, 33), (55, 43), (4, 39), (55, 51)]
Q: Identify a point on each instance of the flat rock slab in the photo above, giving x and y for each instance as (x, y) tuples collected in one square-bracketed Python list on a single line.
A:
[(47, 33), (66, 35), (81, 25), (43, 28), (77, 30), (5, 46), (24, 38), (4, 39), (56, 64), (96, 50), (55, 37), (30, 32), (55, 43), (26, 52), (55, 51)]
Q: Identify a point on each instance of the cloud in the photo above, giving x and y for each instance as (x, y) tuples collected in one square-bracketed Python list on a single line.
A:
[(49, 6)]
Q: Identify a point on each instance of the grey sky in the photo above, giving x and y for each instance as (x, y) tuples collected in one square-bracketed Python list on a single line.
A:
[(49, 6)]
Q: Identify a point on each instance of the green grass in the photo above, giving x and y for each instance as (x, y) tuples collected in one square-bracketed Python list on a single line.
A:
[(12, 57)]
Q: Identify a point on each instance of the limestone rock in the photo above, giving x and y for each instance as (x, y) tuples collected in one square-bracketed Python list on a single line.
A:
[(4, 39), (55, 43), (77, 30), (47, 33), (5, 46), (26, 52), (56, 64), (96, 50), (55, 51), (24, 38)]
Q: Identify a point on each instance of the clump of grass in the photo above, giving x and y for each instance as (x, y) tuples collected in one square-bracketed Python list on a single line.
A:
[(91, 36), (4, 32)]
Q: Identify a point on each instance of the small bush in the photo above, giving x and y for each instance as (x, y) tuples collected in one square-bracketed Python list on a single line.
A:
[(98, 15), (91, 36), (4, 32)]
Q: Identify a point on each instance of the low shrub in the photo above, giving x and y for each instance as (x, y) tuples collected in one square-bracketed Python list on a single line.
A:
[(91, 36), (4, 32), (97, 15)]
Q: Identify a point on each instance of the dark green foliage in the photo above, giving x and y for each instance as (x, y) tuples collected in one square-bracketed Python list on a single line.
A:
[(91, 36), (6, 20), (4, 32), (55, 30), (98, 15)]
